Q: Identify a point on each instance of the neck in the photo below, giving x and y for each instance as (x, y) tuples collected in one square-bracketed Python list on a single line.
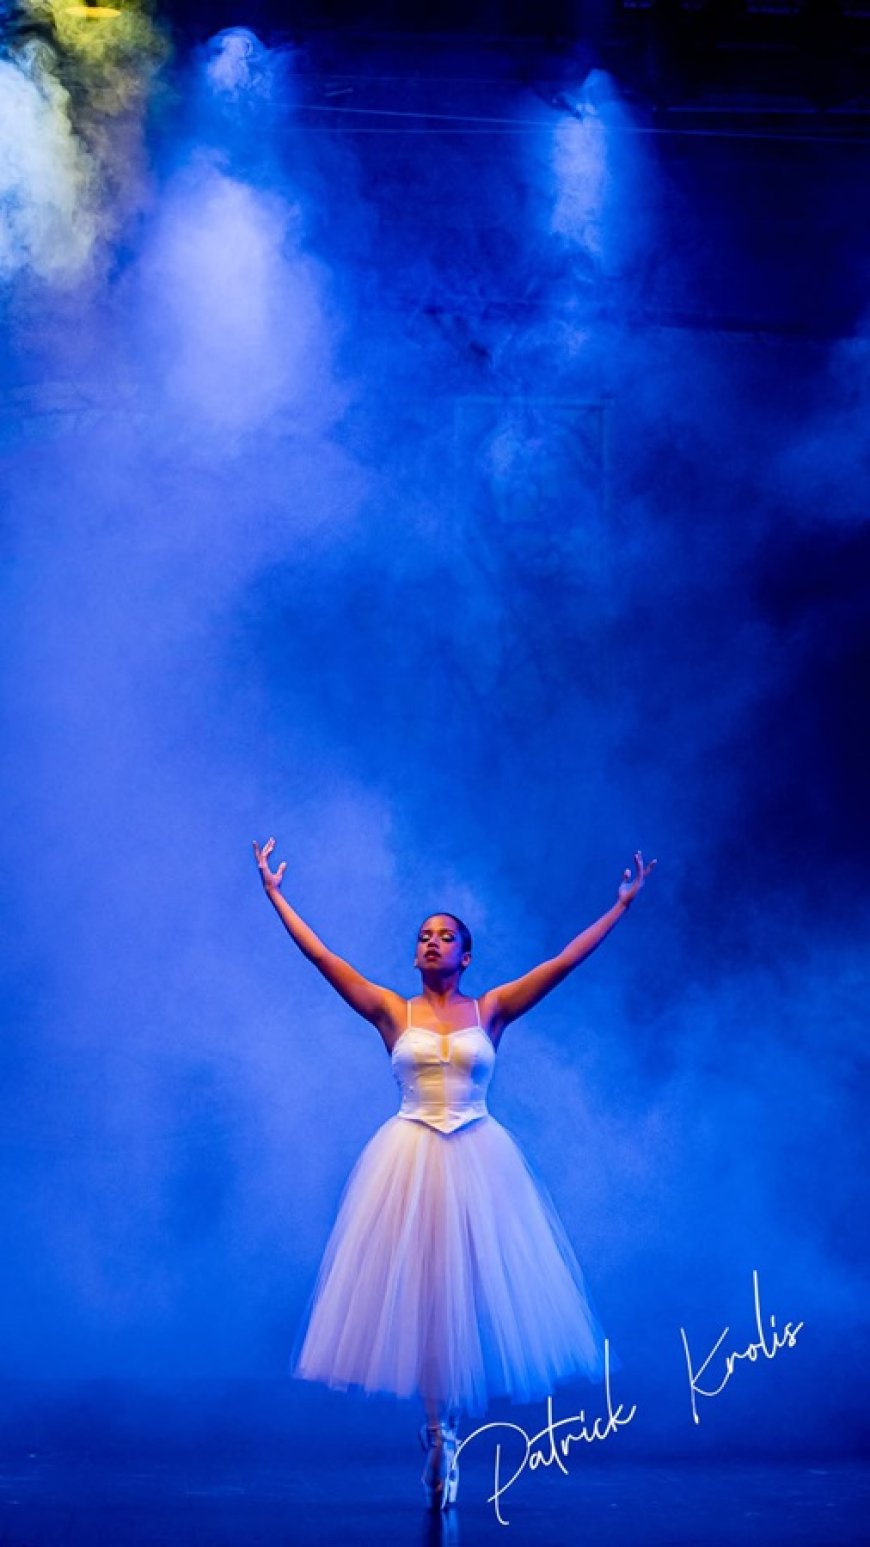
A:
[(439, 994)]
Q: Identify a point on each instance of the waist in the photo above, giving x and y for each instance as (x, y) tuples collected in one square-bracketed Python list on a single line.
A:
[(445, 1119)]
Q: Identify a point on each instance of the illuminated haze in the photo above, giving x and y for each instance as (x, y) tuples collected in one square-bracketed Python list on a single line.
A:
[(467, 510)]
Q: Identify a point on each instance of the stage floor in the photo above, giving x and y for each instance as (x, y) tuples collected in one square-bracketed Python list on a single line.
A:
[(100, 1470)]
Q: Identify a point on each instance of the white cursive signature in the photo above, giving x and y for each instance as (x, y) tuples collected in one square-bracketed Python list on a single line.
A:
[(751, 1352), (535, 1454)]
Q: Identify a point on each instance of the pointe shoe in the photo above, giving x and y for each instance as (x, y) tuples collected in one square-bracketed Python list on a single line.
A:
[(441, 1473)]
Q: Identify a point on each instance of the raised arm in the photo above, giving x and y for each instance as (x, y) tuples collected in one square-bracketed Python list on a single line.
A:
[(376, 1004), (512, 1000)]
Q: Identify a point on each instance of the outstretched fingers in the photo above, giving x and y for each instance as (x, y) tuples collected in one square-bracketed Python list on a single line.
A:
[(640, 868), (262, 855), (634, 881)]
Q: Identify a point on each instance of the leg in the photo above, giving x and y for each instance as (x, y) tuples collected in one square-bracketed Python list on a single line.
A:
[(438, 1436)]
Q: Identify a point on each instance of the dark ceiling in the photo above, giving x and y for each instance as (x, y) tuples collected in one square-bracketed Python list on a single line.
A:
[(784, 66)]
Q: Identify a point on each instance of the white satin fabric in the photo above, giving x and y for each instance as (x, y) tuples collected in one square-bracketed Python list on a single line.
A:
[(443, 1076)]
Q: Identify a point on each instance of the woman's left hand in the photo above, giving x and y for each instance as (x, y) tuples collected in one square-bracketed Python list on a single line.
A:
[(631, 885)]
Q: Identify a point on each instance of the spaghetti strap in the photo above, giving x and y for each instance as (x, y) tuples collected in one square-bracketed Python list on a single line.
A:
[(477, 1012)]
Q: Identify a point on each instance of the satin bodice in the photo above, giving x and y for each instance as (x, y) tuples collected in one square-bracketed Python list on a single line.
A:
[(443, 1076)]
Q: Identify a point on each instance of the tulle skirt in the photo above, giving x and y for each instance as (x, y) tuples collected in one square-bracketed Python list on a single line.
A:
[(449, 1273)]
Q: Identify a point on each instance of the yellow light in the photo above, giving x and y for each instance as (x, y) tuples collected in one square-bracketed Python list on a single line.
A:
[(96, 11)]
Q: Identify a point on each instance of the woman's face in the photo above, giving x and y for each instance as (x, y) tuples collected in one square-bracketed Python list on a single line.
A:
[(439, 946)]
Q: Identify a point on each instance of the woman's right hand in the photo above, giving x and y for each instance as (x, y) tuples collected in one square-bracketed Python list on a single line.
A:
[(271, 880)]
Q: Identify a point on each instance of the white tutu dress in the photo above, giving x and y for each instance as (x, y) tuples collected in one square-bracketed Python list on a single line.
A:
[(448, 1270)]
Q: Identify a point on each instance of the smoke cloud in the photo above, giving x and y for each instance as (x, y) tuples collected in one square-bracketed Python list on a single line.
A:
[(468, 509)]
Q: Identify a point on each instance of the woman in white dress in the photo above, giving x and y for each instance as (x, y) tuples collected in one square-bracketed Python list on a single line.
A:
[(448, 1274)]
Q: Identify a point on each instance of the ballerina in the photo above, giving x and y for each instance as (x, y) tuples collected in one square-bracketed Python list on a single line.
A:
[(448, 1274)]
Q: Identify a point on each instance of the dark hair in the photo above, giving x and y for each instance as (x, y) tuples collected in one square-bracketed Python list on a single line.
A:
[(464, 931)]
